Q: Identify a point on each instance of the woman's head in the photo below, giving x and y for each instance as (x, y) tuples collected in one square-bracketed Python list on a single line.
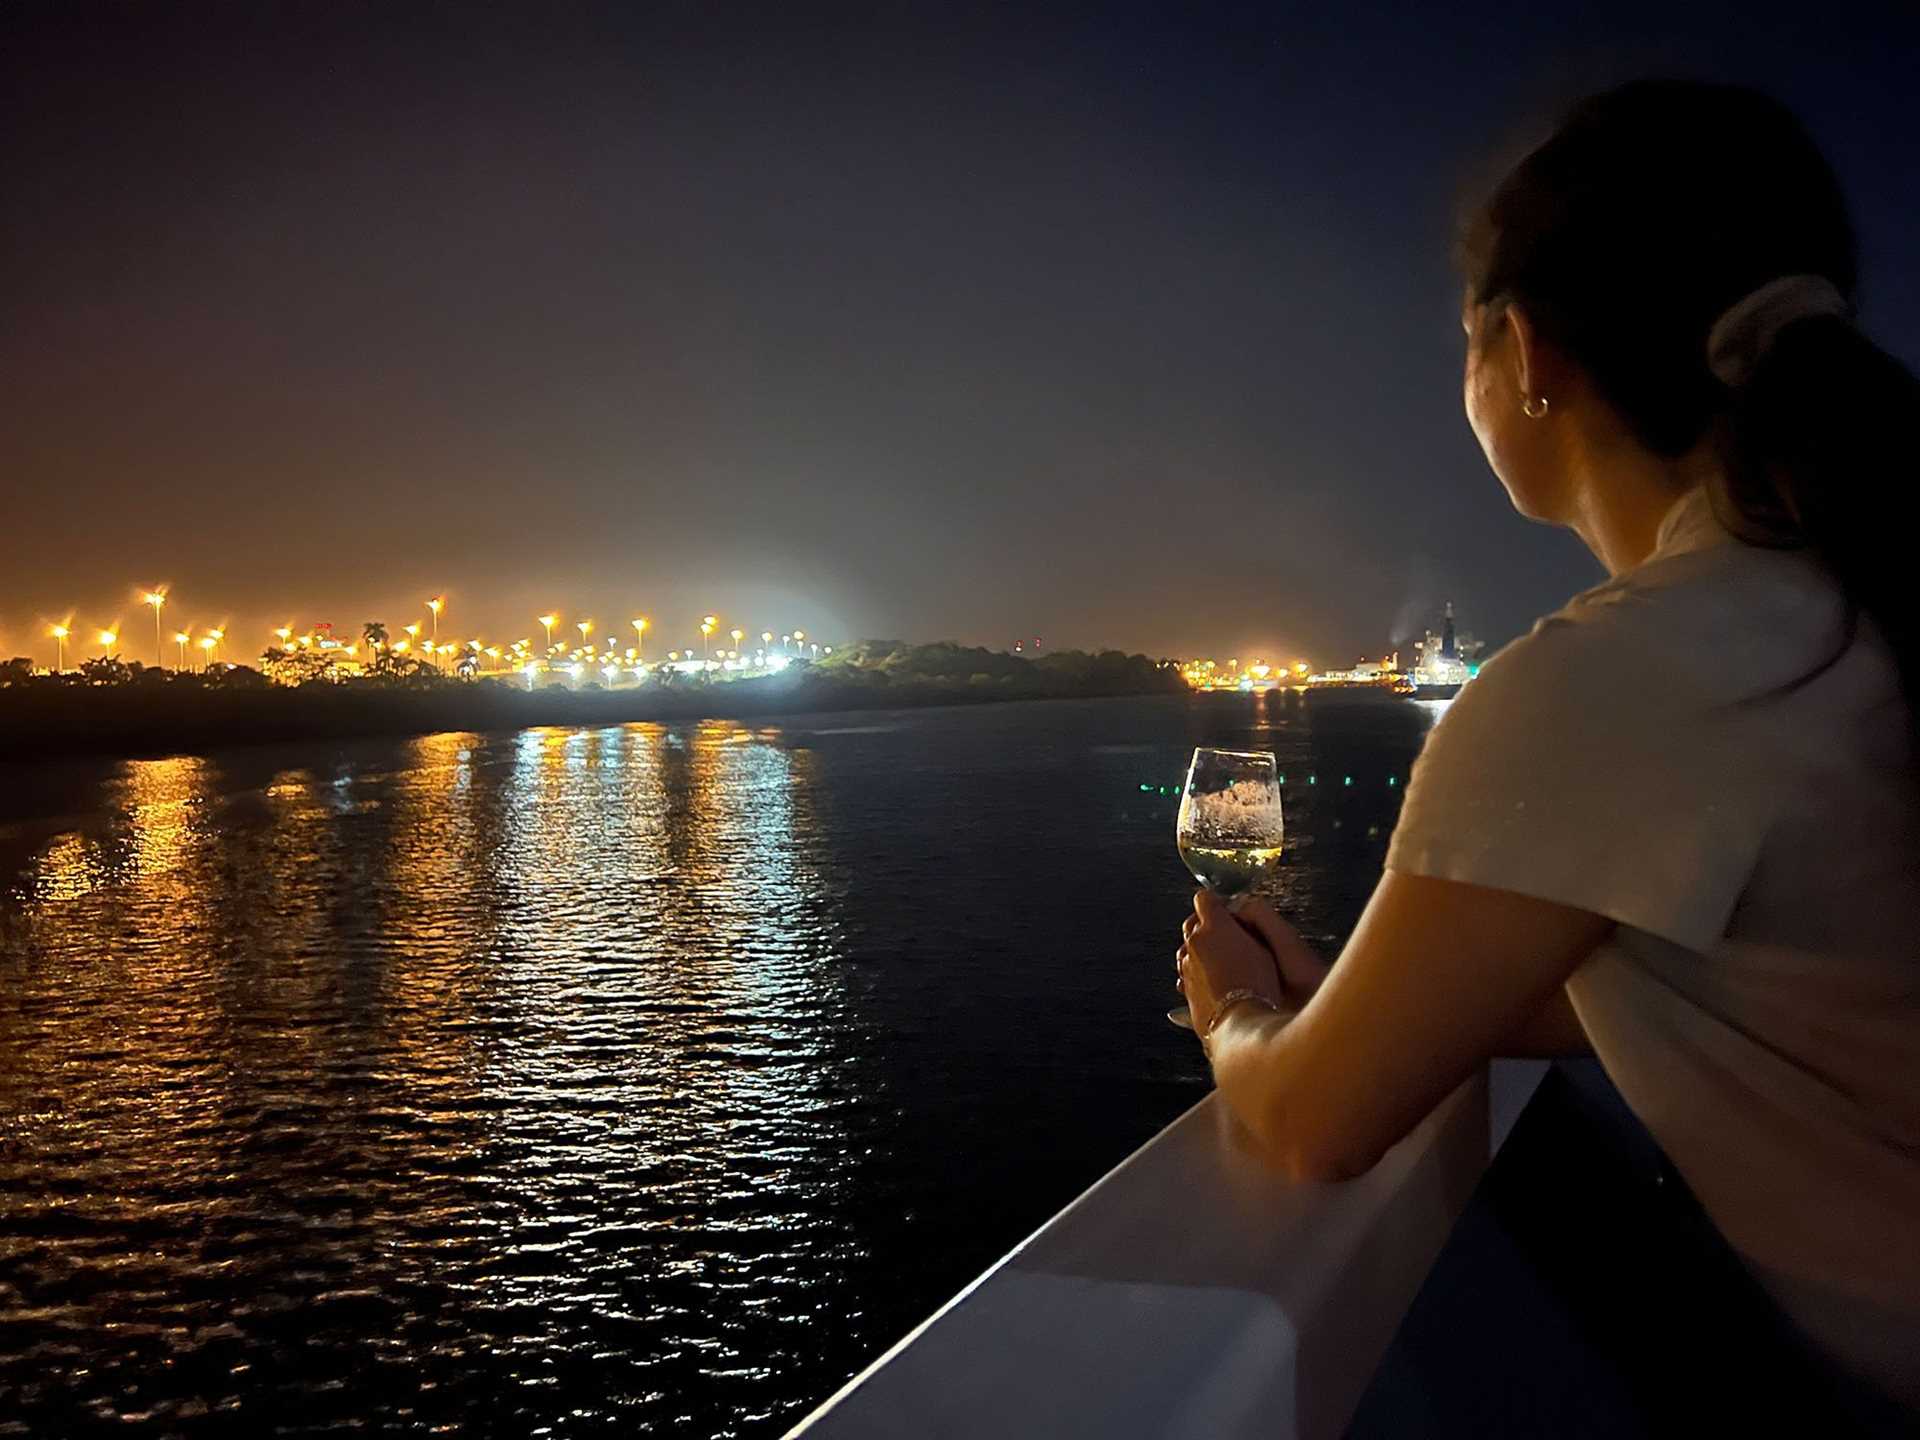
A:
[(1597, 268), (1618, 242)]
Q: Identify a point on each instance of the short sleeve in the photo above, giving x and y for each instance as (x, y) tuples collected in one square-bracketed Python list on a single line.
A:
[(1567, 772)]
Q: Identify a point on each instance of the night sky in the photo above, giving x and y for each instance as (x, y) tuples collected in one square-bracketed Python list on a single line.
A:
[(1127, 326)]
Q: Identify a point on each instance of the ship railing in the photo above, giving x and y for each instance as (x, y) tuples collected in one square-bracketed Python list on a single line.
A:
[(1192, 1292)]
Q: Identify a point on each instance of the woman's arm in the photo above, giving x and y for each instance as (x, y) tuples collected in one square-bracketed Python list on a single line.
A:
[(1437, 977), (1551, 1032)]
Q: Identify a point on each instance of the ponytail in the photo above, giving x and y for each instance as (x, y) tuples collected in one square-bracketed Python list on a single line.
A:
[(1815, 446)]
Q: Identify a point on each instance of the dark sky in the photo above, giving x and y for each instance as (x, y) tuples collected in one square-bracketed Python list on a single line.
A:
[(1127, 326)]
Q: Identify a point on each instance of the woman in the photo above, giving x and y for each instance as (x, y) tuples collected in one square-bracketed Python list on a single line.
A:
[(1677, 824)]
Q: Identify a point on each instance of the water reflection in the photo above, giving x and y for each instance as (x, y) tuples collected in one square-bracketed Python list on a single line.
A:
[(624, 1079), (430, 1061)]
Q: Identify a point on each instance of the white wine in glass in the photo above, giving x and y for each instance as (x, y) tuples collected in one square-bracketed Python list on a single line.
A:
[(1230, 827)]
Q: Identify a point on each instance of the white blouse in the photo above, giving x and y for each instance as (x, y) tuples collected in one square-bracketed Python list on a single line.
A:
[(1656, 753)]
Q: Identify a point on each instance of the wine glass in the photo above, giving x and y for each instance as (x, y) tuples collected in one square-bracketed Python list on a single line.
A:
[(1229, 831)]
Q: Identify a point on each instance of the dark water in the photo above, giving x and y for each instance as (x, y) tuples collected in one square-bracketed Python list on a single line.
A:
[(636, 1080)]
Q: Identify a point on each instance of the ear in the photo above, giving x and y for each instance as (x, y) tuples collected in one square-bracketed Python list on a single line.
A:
[(1524, 353)]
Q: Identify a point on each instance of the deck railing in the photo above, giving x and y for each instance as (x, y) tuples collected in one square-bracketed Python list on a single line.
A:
[(1192, 1292)]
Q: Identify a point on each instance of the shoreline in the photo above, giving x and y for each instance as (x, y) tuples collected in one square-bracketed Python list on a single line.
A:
[(143, 723)]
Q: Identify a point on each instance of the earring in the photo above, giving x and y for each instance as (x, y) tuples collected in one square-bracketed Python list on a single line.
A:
[(1528, 404)]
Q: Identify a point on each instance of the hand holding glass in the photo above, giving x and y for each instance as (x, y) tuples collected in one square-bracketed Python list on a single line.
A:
[(1230, 829)]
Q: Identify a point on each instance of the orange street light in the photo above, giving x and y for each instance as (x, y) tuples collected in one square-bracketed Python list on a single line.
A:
[(155, 598), (59, 633)]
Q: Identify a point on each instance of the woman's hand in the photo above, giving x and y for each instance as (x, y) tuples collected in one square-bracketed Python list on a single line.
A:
[(1251, 948)]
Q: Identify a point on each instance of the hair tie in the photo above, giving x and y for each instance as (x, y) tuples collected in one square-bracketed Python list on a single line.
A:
[(1746, 331)]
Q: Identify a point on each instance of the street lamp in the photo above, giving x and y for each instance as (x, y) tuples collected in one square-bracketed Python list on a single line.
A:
[(108, 639), (180, 638), (585, 627), (547, 621), (207, 642), (436, 605), (706, 629), (59, 633), (738, 636), (217, 634), (640, 636), (156, 598)]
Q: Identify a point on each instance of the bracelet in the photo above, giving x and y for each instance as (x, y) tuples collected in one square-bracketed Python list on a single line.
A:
[(1233, 997)]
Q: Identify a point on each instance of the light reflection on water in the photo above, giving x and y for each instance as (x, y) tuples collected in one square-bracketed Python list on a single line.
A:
[(634, 1079), (362, 1045)]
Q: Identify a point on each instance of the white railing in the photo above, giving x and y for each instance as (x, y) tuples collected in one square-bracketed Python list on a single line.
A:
[(1192, 1292)]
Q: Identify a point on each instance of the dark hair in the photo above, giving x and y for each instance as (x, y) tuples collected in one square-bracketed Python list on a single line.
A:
[(1650, 211)]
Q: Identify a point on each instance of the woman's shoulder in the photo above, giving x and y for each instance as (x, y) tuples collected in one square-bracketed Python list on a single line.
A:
[(1707, 626)]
